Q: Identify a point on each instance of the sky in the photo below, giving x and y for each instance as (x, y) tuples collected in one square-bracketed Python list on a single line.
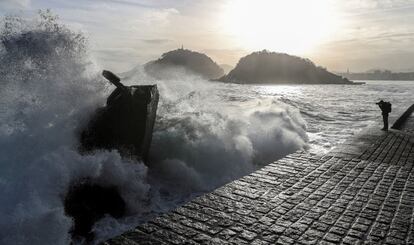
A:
[(358, 35)]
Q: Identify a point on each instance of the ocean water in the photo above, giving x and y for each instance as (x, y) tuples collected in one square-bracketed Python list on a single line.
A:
[(333, 113), (206, 133)]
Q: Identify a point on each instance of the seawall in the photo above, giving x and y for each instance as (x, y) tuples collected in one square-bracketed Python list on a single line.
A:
[(360, 192)]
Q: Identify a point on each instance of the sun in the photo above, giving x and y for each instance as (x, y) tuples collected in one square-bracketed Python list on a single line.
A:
[(291, 26)]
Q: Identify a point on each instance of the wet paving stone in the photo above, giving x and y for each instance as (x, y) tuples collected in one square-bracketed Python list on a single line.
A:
[(359, 193)]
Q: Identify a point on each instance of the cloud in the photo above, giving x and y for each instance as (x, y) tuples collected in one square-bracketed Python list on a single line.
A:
[(14, 4), (126, 2), (154, 4), (125, 32), (156, 41), (119, 59), (354, 8), (375, 4)]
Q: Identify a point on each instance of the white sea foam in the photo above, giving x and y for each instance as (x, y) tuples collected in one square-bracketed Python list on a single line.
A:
[(205, 136), (208, 137)]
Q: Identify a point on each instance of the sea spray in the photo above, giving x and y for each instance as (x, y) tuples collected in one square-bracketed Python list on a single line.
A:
[(205, 135), (49, 89)]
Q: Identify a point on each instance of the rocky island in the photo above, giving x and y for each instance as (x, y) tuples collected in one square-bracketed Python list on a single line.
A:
[(194, 62), (280, 68)]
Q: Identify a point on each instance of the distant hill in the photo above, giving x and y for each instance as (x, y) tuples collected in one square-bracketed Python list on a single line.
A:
[(380, 75), (192, 61), (226, 68), (271, 67)]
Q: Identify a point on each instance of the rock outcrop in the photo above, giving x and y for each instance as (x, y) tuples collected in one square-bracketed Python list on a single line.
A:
[(87, 203), (194, 62), (275, 68)]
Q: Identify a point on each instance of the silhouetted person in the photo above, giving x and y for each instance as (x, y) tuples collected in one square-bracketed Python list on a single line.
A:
[(386, 109)]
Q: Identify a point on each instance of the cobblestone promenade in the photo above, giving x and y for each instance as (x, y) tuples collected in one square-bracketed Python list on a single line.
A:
[(362, 192)]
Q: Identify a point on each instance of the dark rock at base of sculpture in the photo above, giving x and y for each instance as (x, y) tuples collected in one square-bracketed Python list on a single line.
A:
[(125, 123), (87, 203)]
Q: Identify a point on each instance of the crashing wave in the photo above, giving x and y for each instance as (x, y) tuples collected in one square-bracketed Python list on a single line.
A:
[(204, 137)]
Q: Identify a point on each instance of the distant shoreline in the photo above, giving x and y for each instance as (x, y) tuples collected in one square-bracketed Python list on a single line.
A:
[(381, 80), (379, 75), (288, 83)]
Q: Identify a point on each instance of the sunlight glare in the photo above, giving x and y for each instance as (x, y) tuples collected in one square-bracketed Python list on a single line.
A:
[(291, 26)]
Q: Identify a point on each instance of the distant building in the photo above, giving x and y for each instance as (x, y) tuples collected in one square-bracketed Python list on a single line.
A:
[(379, 75)]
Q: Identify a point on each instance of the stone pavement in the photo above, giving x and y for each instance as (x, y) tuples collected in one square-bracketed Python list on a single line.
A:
[(361, 192)]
